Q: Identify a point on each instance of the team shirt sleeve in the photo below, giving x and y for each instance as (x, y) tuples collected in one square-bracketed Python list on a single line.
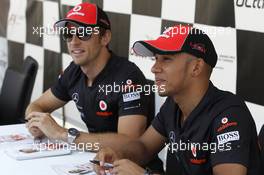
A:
[(159, 123), (60, 88), (133, 100), (232, 133)]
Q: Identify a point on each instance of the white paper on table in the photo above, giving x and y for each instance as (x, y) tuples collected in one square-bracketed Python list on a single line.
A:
[(38, 150), (14, 140), (76, 169)]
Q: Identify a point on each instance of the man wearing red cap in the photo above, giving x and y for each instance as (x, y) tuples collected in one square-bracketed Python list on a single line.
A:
[(87, 31), (207, 131)]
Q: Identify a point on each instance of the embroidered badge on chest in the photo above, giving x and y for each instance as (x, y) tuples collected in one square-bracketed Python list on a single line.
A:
[(75, 97), (224, 120), (102, 105)]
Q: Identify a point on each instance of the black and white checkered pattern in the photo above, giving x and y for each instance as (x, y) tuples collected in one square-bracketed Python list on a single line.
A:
[(239, 67)]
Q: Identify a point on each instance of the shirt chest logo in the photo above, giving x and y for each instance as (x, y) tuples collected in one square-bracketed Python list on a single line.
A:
[(172, 137), (75, 97), (197, 156), (224, 120), (193, 149), (102, 105)]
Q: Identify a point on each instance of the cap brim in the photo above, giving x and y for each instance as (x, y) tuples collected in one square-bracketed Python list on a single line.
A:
[(165, 44), (63, 23), (150, 48), (160, 46), (143, 49)]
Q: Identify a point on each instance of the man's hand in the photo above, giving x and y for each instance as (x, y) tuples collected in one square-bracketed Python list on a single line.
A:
[(43, 123), (105, 155), (34, 131), (126, 167)]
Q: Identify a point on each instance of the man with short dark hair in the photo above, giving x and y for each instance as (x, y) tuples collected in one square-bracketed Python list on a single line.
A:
[(208, 131), (109, 114)]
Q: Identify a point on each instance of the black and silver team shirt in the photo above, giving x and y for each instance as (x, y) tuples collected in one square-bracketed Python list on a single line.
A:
[(112, 94), (219, 130)]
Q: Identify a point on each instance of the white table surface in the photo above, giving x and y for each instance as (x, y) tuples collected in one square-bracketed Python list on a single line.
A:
[(41, 166)]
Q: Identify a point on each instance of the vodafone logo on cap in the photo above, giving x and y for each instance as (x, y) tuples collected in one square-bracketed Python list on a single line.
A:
[(77, 8), (102, 105), (76, 11)]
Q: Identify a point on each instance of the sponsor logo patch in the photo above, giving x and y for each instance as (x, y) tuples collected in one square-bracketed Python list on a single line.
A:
[(172, 136), (129, 81), (102, 105), (198, 161), (224, 120), (227, 137), (131, 96), (223, 127), (104, 114), (193, 148), (77, 8), (198, 46), (75, 97)]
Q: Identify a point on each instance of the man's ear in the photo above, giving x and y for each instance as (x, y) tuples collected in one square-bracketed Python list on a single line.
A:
[(106, 38), (197, 67)]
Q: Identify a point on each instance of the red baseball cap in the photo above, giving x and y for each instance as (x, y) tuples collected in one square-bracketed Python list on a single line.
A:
[(176, 39), (86, 14)]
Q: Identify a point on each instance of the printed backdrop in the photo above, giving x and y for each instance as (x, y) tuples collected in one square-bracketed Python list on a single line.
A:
[(235, 26)]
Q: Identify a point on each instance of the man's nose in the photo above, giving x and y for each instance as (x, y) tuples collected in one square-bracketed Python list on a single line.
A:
[(156, 68)]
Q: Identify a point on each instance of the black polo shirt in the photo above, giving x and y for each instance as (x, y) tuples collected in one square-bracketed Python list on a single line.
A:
[(219, 130), (99, 109)]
